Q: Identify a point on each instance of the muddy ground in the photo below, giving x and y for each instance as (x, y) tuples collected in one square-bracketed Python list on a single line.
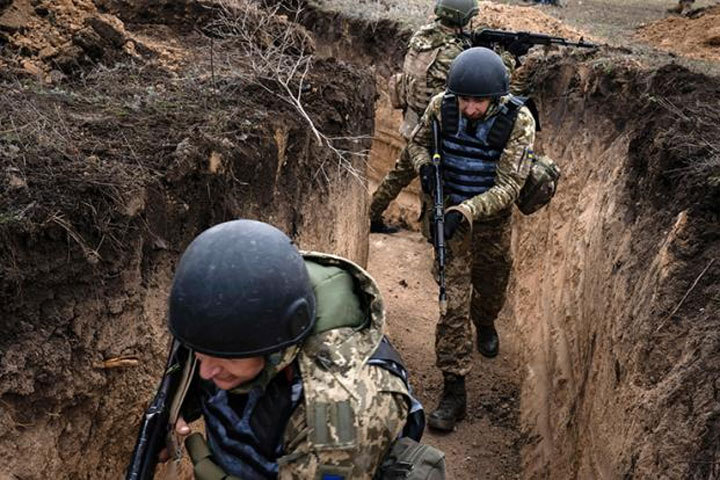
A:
[(125, 129)]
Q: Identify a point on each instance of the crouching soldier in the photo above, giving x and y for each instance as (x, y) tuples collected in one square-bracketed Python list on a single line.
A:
[(287, 363)]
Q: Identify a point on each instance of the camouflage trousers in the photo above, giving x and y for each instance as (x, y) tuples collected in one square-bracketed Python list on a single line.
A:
[(476, 277), (396, 179)]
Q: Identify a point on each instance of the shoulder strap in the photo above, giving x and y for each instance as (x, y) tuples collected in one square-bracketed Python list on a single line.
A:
[(502, 128), (450, 112)]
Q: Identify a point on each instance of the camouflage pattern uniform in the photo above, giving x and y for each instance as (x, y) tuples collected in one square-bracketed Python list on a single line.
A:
[(351, 411), (479, 258), (336, 374), (431, 50)]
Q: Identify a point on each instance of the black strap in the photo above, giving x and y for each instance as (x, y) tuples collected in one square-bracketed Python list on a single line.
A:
[(499, 134), (450, 112)]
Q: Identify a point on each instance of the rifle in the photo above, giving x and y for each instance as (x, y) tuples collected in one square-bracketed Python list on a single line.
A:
[(157, 428), (519, 43), (439, 217)]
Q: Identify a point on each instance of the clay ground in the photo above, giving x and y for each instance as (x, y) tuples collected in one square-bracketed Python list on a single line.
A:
[(486, 445)]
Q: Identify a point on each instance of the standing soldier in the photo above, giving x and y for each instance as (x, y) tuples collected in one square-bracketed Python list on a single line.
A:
[(294, 378), (486, 144), (430, 51)]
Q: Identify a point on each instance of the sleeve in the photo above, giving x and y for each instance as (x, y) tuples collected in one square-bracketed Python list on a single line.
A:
[(513, 168), (421, 139), (380, 421)]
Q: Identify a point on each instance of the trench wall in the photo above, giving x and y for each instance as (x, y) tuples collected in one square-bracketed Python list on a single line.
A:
[(615, 296)]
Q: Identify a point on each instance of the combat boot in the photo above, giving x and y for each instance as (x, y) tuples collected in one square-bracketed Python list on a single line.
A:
[(488, 343), (379, 226), (452, 406)]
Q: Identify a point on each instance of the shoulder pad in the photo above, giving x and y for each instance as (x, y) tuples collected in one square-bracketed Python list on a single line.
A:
[(427, 38)]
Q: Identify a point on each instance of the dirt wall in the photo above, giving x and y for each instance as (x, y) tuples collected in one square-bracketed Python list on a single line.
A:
[(616, 289), (104, 182)]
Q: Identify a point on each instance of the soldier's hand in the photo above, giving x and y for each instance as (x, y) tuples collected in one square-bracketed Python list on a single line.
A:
[(182, 429), (452, 221), (427, 178)]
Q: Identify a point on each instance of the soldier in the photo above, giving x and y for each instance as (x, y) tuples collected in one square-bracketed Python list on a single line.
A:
[(486, 143), (430, 51), (294, 377), (682, 7)]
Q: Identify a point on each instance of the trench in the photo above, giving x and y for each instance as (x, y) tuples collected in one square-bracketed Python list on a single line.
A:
[(613, 314)]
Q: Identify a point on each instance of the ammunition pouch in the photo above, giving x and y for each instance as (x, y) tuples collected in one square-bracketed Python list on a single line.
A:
[(410, 460)]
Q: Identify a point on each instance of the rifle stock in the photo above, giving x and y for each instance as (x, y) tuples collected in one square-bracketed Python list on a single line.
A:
[(156, 423)]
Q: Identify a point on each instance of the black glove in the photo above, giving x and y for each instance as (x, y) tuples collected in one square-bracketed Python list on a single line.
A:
[(452, 221), (427, 178)]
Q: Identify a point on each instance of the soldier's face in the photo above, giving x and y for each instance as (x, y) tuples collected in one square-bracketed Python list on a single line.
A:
[(474, 108), (228, 373)]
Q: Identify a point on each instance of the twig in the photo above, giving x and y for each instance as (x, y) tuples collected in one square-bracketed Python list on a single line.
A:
[(682, 300), (119, 362)]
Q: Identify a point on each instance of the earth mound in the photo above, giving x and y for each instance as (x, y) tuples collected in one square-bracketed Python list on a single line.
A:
[(696, 36)]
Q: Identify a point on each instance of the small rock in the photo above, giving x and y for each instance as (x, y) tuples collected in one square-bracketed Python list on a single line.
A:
[(47, 52), (109, 27), (31, 68)]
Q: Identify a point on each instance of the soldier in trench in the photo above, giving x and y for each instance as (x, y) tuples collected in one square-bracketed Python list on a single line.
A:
[(430, 51), (486, 145), (294, 378)]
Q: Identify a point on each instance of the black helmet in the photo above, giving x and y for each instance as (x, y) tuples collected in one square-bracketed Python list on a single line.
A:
[(241, 290), (478, 72), (456, 12)]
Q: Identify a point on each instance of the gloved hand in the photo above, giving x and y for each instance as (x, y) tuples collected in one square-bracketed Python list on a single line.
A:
[(452, 221), (427, 178)]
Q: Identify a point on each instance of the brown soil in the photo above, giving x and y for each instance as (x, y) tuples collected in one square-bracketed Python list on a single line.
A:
[(120, 146), (696, 36), (106, 176)]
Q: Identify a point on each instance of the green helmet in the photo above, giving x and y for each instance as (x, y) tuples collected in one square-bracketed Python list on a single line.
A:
[(456, 12)]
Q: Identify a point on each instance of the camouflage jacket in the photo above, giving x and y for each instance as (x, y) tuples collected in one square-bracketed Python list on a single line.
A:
[(430, 51), (352, 411), (512, 168)]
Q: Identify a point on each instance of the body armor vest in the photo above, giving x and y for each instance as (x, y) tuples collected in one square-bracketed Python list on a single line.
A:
[(469, 162), (470, 151)]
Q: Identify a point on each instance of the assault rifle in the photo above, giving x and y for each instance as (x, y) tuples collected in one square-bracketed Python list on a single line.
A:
[(438, 216), (157, 429), (519, 43)]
